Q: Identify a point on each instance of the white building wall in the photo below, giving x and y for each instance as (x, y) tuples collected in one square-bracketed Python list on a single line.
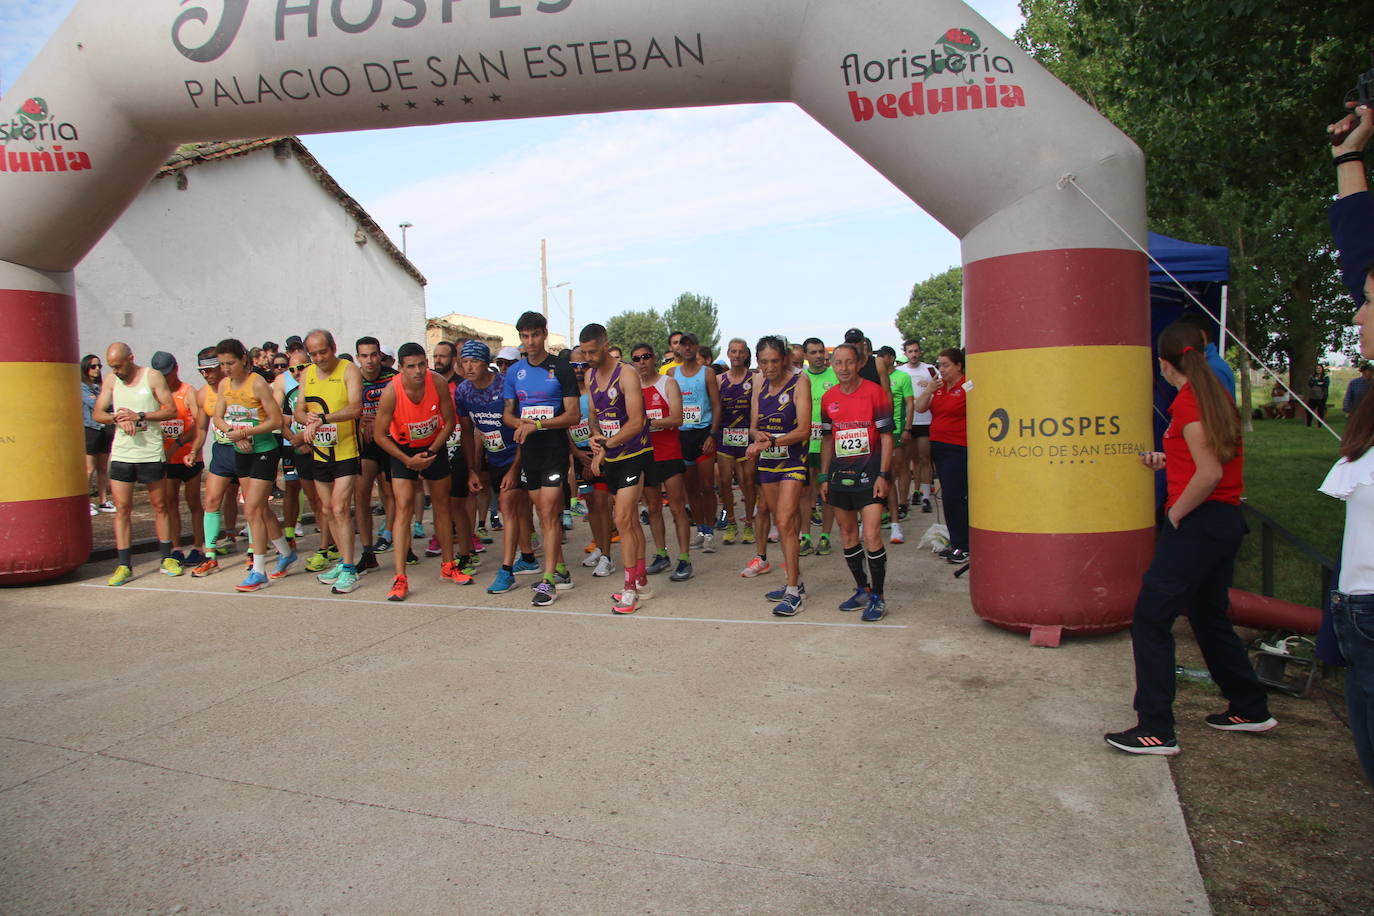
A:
[(254, 248)]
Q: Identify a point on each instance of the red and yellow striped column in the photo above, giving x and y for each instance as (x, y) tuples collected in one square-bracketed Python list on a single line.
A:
[(1060, 506), (45, 526)]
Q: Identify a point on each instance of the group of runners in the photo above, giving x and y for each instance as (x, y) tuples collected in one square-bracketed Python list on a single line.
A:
[(545, 437)]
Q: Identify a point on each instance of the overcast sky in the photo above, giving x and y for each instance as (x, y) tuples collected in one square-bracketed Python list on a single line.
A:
[(755, 206)]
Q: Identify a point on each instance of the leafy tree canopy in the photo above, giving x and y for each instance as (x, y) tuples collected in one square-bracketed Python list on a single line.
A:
[(934, 314), (697, 314)]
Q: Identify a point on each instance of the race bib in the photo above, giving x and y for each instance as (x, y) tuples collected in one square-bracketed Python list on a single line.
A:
[(656, 413), (172, 429), (456, 438), (536, 412), (326, 436), (609, 427), (492, 441), (581, 434), (775, 452), (735, 438), (243, 445), (220, 436), (816, 433), (851, 443), (691, 414), (423, 430)]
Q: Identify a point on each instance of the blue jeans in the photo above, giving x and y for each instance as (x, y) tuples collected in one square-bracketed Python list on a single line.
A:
[(1353, 617)]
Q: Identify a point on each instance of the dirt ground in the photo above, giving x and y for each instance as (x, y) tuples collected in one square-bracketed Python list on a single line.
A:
[(1281, 823)]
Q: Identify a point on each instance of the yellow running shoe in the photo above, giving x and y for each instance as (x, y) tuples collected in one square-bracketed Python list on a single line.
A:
[(170, 567), (121, 575)]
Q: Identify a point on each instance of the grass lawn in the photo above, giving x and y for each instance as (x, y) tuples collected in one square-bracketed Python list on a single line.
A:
[(1285, 462)]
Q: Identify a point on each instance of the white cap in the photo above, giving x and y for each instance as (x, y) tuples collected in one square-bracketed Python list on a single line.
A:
[(388, 351), (509, 353)]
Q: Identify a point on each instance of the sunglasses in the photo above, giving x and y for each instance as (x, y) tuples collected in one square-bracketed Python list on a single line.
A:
[(279, 365), (94, 366), (579, 365), (204, 369), (300, 368), (642, 358)]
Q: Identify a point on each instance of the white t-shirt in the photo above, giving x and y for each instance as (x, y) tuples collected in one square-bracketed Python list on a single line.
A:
[(920, 373), (1353, 481)]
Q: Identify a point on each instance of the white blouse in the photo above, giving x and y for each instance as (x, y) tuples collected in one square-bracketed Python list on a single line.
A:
[(1353, 481)]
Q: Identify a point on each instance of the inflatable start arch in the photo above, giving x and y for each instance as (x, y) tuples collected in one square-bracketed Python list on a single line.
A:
[(924, 90)]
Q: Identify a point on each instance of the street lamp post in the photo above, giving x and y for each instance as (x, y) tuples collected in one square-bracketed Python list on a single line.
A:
[(568, 284), (404, 227)]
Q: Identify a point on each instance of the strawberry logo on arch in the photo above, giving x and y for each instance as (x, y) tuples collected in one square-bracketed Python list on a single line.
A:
[(960, 41), (34, 109)]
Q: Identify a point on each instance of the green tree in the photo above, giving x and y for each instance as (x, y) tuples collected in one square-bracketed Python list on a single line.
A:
[(934, 314), (697, 314), (1228, 102), (630, 328)]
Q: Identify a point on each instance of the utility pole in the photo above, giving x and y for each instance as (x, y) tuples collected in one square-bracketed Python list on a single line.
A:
[(572, 341), (544, 274)]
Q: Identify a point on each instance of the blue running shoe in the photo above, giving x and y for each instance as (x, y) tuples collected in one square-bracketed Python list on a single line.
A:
[(660, 563), (255, 581), (331, 574), (504, 582), (345, 582), (524, 567), (857, 601), (788, 606), (778, 594), (683, 571), (876, 610), (284, 565)]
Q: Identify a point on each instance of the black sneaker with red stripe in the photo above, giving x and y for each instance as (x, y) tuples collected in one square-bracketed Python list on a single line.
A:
[(1229, 721), (1142, 741)]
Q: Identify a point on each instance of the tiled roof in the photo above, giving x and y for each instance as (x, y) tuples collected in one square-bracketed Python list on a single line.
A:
[(195, 153)]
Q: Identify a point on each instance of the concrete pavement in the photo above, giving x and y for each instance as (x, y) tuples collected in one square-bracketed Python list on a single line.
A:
[(175, 744)]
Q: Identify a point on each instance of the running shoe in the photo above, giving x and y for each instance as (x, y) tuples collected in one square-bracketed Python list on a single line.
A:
[(757, 567), (876, 610), (383, 544), (579, 507), (94, 510), (470, 568), (411, 559), (788, 606), (644, 516), (777, 594), (106, 506), (227, 543), (329, 576), (897, 537), (400, 587), (806, 549), (748, 537), (643, 589), (562, 581), (816, 517), (496, 523), (504, 582), (682, 573), (1229, 721), (567, 520), (523, 567), (945, 552), (417, 529), (205, 569), (544, 594), (478, 545), (1141, 741), (615, 537), (433, 550), (121, 575), (451, 572), (604, 567), (731, 534), (368, 561), (252, 582), (593, 559), (773, 534), (887, 520), (902, 512), (660, 563), (345, 582), (721, 520), (958, 556), (591, 547), (856, 602), (318, 560), (708, 542), (193, 559), (283, 566), (823, 546), (696, 540), (482, 535), (170, 567), (624, 601), (926, 506)]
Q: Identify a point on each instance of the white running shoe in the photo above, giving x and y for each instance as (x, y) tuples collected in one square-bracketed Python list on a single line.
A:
[(594, 559), (708, 542), (604, 567)]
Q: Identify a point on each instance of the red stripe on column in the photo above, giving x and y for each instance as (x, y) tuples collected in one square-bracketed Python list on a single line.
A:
[(37, 327), (1073, 297), (1086, 583), (43, 538)]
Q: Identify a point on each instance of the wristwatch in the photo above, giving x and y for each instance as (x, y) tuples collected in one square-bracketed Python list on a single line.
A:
[(885, 475)]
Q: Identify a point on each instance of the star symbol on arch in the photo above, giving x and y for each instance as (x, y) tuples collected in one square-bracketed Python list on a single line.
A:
[(383, 106), (495, 97), (467, 100), (410, 103), (438, 103)]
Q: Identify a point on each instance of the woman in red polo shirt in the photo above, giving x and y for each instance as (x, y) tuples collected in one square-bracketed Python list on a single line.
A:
[(1194, 556), (945, 398)]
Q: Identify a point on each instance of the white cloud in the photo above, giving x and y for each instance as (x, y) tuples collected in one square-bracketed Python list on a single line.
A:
[(641, 179)]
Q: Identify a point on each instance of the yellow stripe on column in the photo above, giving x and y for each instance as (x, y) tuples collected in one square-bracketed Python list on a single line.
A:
[(1055, 436), (42, 443)]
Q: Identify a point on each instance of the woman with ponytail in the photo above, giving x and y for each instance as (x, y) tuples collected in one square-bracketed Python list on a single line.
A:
[(1352, 479), (1194, 557)]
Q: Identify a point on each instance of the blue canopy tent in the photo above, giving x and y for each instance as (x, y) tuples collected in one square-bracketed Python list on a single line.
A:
[(1204, 270)]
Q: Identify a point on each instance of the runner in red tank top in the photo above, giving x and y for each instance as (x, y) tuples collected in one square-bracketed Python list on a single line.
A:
[(663, 408)]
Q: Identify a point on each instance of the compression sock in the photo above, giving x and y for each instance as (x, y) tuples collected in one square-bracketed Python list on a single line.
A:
[(126, 557), (527, 557), (164, 548), (877, 569), (283, 549), (288, 532), (854, 556), (212, 523)]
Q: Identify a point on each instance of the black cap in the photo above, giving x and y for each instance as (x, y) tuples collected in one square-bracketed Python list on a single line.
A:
[(163, 362), (853, 335)]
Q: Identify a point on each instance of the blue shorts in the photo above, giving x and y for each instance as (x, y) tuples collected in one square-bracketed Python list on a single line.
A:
[(222, 463)]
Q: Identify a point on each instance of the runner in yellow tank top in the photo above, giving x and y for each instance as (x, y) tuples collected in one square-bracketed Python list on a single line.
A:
[(329, 406)]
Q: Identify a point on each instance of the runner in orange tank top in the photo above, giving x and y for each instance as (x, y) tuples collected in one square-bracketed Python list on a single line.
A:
[(182, 438)]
